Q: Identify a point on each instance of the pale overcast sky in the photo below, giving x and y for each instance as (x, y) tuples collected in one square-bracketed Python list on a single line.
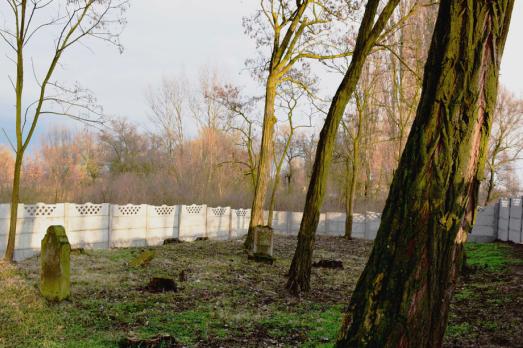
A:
[(166, 37)]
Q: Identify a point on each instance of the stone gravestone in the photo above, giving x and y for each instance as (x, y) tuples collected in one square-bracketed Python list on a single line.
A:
[(55, 277), (263, 244)]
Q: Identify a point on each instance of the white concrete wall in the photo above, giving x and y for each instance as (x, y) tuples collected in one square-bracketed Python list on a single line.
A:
[(128, 226), (484, 229), (372, 224), (335, 224), (240, 219), (514, 225), (503, 219), (218, 223), (193, 222), (87, 225), (162, 223), (104, 225), (33, 221)]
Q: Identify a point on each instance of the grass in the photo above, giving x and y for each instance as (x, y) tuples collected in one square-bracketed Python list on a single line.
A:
[(492, 256), (227, 300)]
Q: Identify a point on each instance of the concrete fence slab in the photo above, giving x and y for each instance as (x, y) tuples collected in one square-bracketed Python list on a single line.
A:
[(162, 223), (193, 222), (128, 225), (218, 223), (240, 219)]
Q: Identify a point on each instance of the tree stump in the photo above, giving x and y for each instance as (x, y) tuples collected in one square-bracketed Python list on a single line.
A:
[(55, 274), (161, 284)]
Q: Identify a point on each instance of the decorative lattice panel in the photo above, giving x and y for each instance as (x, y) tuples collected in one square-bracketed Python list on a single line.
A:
[(241, 212), (40, 210), (358, 218), (219, 211), (164, 210), (372, 215), (89, 209), (130, 209), (504, 203), (516, 202), (194, 209)]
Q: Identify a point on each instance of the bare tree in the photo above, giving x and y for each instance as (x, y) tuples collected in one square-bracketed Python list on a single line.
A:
[(506, 140), (206, 110), (294, 31), (167, 106), (242, 125), (73, 22), (289, 96)]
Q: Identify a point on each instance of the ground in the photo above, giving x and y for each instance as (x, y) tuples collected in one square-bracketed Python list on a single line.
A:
[(228, 301)]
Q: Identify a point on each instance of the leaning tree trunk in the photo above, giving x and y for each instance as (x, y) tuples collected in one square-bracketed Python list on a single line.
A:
[(370, 29), (264, 165), (403, 295)]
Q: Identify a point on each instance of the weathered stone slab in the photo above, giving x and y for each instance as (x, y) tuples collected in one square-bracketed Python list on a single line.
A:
[(55, 261), (263, 240)]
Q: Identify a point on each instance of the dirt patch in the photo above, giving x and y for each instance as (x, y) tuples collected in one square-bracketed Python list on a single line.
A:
[(487, 308)]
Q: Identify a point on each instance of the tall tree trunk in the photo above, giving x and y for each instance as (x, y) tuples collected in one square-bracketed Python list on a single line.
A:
[(403, 295), (262, 176), (370, 29)]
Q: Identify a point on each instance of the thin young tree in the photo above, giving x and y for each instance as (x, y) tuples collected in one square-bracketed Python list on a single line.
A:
[(289, 95), (295, 31), (370, 31), (354, 127), (242, 126), (403, 295), (71, 23), (167, 110)]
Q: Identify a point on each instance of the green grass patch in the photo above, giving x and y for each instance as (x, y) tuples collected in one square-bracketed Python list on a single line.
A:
[(458, 330), (492, 256)]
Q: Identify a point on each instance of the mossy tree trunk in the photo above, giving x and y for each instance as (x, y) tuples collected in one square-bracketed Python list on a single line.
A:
[(369, 32), (403, 295)]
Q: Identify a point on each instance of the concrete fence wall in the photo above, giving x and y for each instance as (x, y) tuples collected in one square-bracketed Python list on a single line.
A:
[(106, 226)]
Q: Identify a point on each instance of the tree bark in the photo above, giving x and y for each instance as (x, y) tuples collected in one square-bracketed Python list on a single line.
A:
[(403, 295), (262, 176), (370, 29)]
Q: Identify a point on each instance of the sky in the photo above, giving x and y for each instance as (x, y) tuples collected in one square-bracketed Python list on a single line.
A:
[(171, 37)]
